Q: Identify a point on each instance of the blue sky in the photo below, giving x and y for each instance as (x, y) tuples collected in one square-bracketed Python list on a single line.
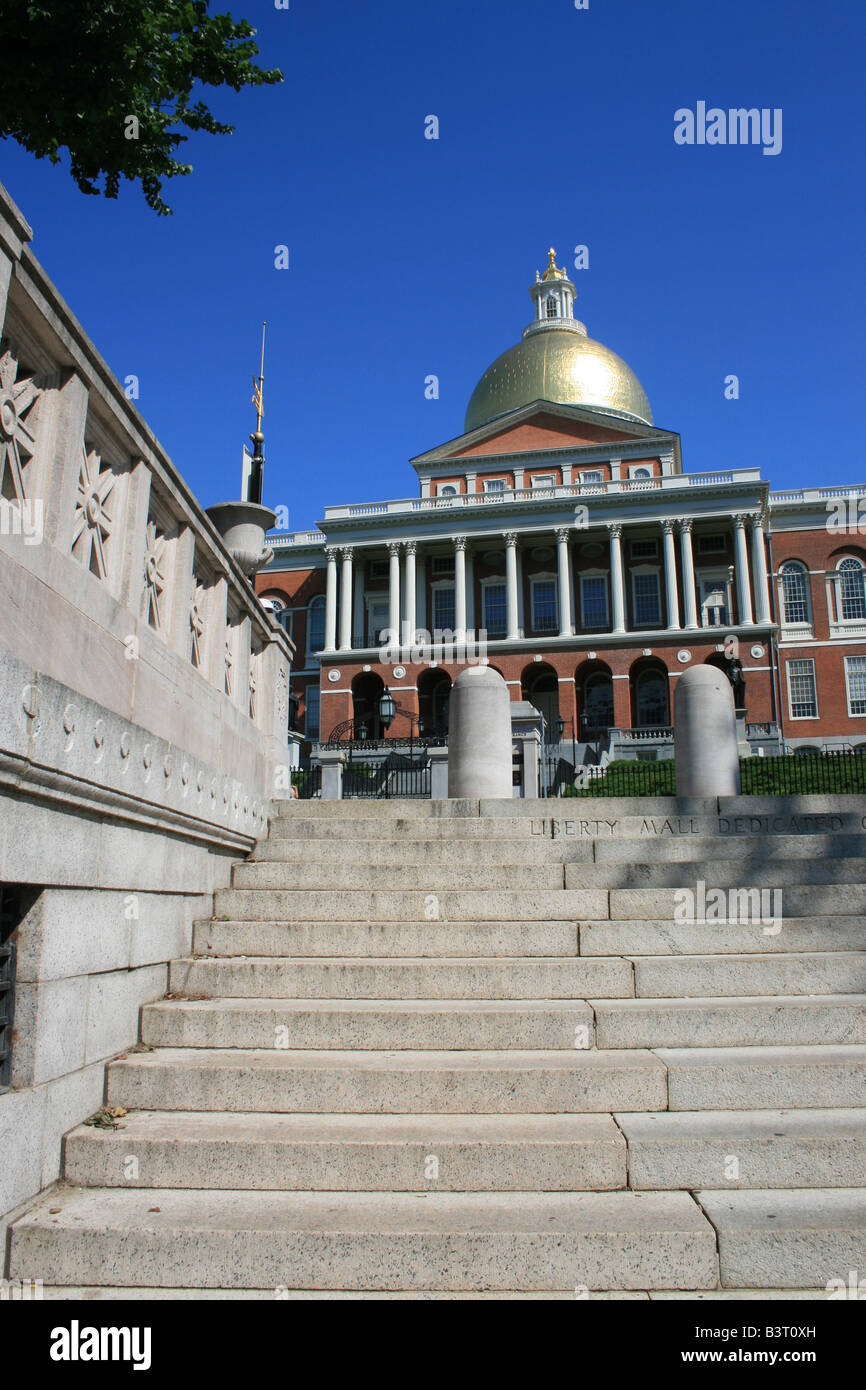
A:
[(410, 256)]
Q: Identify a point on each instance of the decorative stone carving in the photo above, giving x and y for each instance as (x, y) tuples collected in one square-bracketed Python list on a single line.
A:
[(252, 694), (281, 700), (17, 443), (94, 520), (229, 666), (154, 575), (196, 623)]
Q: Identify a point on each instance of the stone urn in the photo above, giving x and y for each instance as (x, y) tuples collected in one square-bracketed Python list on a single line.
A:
[(242, 526)]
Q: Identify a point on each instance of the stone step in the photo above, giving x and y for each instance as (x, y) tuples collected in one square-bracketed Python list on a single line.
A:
[(468, 977), (346, 1153), (766, 1148), (811, 973), (764, 1078), (716, 872), (760, 849), (731, 1022), (419, 905), (155, 1237), (463, 852), (800, 1239), (663, 937), (531, 878), (845, 899), (292, 830), (513, 1083), (368, 1024), (386, 939)]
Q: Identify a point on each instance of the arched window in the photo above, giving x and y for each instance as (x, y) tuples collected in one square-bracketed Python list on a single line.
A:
[(552, 310), (795, 593), (316, 625), (447, 490), (641, 473), (598, 701), (852, 593), (651, 699)]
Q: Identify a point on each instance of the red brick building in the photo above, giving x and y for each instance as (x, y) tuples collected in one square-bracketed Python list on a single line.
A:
[(561, 533)]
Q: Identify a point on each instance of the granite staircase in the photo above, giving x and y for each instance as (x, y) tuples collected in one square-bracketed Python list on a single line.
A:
[(460, 1049)]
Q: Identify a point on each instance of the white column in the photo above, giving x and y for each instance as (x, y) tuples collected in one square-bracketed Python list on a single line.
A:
[(331, 601), (460, 585), (744, 593), (408, 634), (673, 603), (512, 630), (688, 574), (617, 583), (564, 585), (394, 592), (759, 568), (346, 599)]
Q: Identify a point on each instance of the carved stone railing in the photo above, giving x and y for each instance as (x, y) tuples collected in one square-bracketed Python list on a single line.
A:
[(114, 582)]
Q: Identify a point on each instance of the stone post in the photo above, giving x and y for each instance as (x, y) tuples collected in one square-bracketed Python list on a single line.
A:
[(479, 739), (529, 744), (331, 761), (705, 734), (438, 773)]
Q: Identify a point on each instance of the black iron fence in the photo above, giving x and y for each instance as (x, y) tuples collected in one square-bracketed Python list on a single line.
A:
[(804, 774), (307, 781), (398, 775), (810, 774)]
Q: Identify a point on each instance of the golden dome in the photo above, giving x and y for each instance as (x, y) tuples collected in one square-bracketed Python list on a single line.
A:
[(558, 365), (556, 361)]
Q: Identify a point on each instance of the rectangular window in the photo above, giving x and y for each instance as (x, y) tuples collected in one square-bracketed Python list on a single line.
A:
[(644, 550), (542, 480), (379, 615), (378, 569), (802, 695), (855, 674), (494, 609), (443, 564), (647, 604), (593, 601), (311, 713), (494, 484), (594, 475), (544, 617), (714, 603), (711, 545), (444, 612)]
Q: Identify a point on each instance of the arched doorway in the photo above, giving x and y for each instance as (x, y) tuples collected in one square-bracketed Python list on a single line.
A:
[(650, 695), (594, 686), (539, 685), (366, 690), (434, 695)]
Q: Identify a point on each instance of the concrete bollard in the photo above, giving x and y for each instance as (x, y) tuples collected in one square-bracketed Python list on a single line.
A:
[(479, 735), (705, 734)]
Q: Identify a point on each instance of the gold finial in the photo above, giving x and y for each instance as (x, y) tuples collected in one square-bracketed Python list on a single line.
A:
[(258, 399), (553, 271)]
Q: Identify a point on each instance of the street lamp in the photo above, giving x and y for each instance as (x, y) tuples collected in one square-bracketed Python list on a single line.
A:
[(387, 708), (560, 726)]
